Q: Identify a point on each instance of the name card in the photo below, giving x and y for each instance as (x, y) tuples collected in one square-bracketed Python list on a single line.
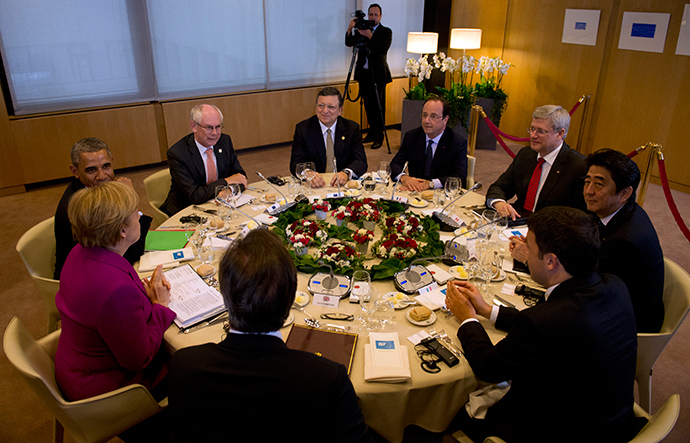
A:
[(331, 301)]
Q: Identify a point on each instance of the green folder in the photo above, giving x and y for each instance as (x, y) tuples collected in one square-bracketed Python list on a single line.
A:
[(165, 240)]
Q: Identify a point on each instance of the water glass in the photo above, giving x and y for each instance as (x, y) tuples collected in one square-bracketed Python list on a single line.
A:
[(384, 172), (385, 309), (439, 198)]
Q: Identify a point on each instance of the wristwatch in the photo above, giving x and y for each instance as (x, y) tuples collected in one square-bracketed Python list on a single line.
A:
[(431, 184)]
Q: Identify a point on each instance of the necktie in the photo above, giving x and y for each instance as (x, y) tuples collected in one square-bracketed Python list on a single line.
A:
[(530, 199), (211, 173), (429, 158), (329, 152)]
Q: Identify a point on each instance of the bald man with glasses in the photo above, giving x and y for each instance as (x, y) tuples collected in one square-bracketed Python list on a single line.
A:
[(545, 173), (201, 161)]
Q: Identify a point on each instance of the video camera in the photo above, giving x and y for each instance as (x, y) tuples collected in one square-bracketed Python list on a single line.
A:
[(361, 22)]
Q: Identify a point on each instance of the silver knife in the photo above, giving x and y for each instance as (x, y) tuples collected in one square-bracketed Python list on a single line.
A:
[(504, 301), (208, 211)]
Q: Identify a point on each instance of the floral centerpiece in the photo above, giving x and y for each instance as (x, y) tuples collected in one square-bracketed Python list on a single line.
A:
[(302, 233), (405, 224), (321, 207), (364, 210), (339, 253), (395, 246), (340, 214), (362, 237)]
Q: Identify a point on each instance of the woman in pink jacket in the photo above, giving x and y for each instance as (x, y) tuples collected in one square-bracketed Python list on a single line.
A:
[(112, 322)]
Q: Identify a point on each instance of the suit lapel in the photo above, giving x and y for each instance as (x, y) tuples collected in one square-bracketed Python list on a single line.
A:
[(339, 140), (317, 140), (195, 159), (554, 175)]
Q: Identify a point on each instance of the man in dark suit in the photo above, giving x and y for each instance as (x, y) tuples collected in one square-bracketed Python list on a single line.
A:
[(571, 358), (433, 151), (629, 245), (251, 386), (372, 70), (547, 173), (92, 165), (326, 135), (201, 161)]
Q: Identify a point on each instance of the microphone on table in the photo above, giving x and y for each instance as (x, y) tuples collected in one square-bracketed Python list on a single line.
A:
[(329, 283), (396, 183), (281, 207), (447, 223), (411, 279), (335, 171)]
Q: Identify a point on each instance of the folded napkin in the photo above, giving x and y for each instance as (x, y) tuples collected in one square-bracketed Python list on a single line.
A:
[(387, 374), (150, 260), (218, 243), (484, 397)]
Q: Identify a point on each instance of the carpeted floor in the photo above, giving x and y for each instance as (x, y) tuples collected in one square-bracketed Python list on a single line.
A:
[(22, 416)]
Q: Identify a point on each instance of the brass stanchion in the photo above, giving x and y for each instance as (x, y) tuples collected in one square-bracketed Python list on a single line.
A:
[(644, 182), (581, 134), (472, 132)]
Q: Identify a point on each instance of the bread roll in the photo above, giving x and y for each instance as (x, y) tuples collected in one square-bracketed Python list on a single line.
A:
[(205, 270), (270, 197), (216, 223), (420, 313), (352, 184), (428, 195)]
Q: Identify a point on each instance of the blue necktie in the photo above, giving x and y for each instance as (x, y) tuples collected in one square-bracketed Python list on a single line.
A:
[(429, 157)]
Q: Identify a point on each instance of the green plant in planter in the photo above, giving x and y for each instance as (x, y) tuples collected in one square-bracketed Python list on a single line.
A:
[(422, 70), (491, 71), (460, 95)]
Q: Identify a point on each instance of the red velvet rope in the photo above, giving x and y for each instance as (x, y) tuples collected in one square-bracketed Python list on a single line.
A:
[(577, 105), (669, 200), (494, 130), (633, 154)]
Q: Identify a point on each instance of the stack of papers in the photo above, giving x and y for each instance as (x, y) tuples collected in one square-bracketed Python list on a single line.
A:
[(191, 298), (150, 260), (385, 360)]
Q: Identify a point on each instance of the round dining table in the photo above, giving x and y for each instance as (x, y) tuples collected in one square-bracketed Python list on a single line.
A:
[(428, 400)]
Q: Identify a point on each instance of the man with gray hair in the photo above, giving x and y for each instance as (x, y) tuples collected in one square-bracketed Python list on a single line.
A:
[(547, 173), (201, 161), (92, 165)]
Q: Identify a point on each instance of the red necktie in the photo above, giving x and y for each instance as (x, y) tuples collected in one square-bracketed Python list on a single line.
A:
[(533, 186), (211, 173)]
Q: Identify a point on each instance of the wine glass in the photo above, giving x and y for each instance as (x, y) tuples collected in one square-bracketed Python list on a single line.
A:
[(384, 308), (439, 197), (452, 188), (384, 172), (222, 203), (190, 229), (207, 230), (234, 192), (361, 289)]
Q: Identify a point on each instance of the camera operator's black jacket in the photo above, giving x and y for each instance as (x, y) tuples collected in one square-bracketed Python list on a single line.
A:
[(376, 50)]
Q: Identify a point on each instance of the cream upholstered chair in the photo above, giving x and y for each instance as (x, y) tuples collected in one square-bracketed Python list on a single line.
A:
[(95, 419), (650, 345), (157, 186), (471, 161), (37, 249), (658, 427)]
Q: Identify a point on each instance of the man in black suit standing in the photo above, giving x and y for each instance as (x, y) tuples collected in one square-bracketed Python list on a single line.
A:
[(372, 70), (326, 135), (251, 386), (433, 151), (630, 247), (547, 173), (571, 358), (201, 161)]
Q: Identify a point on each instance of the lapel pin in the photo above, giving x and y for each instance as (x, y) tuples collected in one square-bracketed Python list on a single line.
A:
[(342, 138), (220, 151)]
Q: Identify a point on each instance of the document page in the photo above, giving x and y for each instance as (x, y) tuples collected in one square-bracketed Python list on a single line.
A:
[(190, 297)]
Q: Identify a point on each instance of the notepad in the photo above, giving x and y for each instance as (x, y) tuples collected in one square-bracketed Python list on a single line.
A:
[(336, 346)]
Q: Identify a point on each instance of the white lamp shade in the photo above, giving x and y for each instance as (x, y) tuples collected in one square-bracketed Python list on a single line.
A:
[(422, 42), (465, 38)]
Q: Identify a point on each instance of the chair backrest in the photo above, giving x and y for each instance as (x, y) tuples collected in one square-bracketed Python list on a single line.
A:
[(471, 161), (676, 296), (95, 419), (157, 186), (37, 249), (661, 423)]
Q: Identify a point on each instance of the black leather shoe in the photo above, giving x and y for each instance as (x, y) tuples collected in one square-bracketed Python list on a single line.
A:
[(368, 139), (376, 145)]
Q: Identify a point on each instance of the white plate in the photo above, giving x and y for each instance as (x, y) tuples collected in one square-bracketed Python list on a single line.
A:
[(501, 276), (464, 229), (353, 193), (399, 299), (263, 200), (429, 321), (301, 298), (290, 320), (456, 271), (418, 202), (209, 275), (359, 185)]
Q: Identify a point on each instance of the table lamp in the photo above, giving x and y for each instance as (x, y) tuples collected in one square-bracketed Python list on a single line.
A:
[(464, 38), (422, 42)]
